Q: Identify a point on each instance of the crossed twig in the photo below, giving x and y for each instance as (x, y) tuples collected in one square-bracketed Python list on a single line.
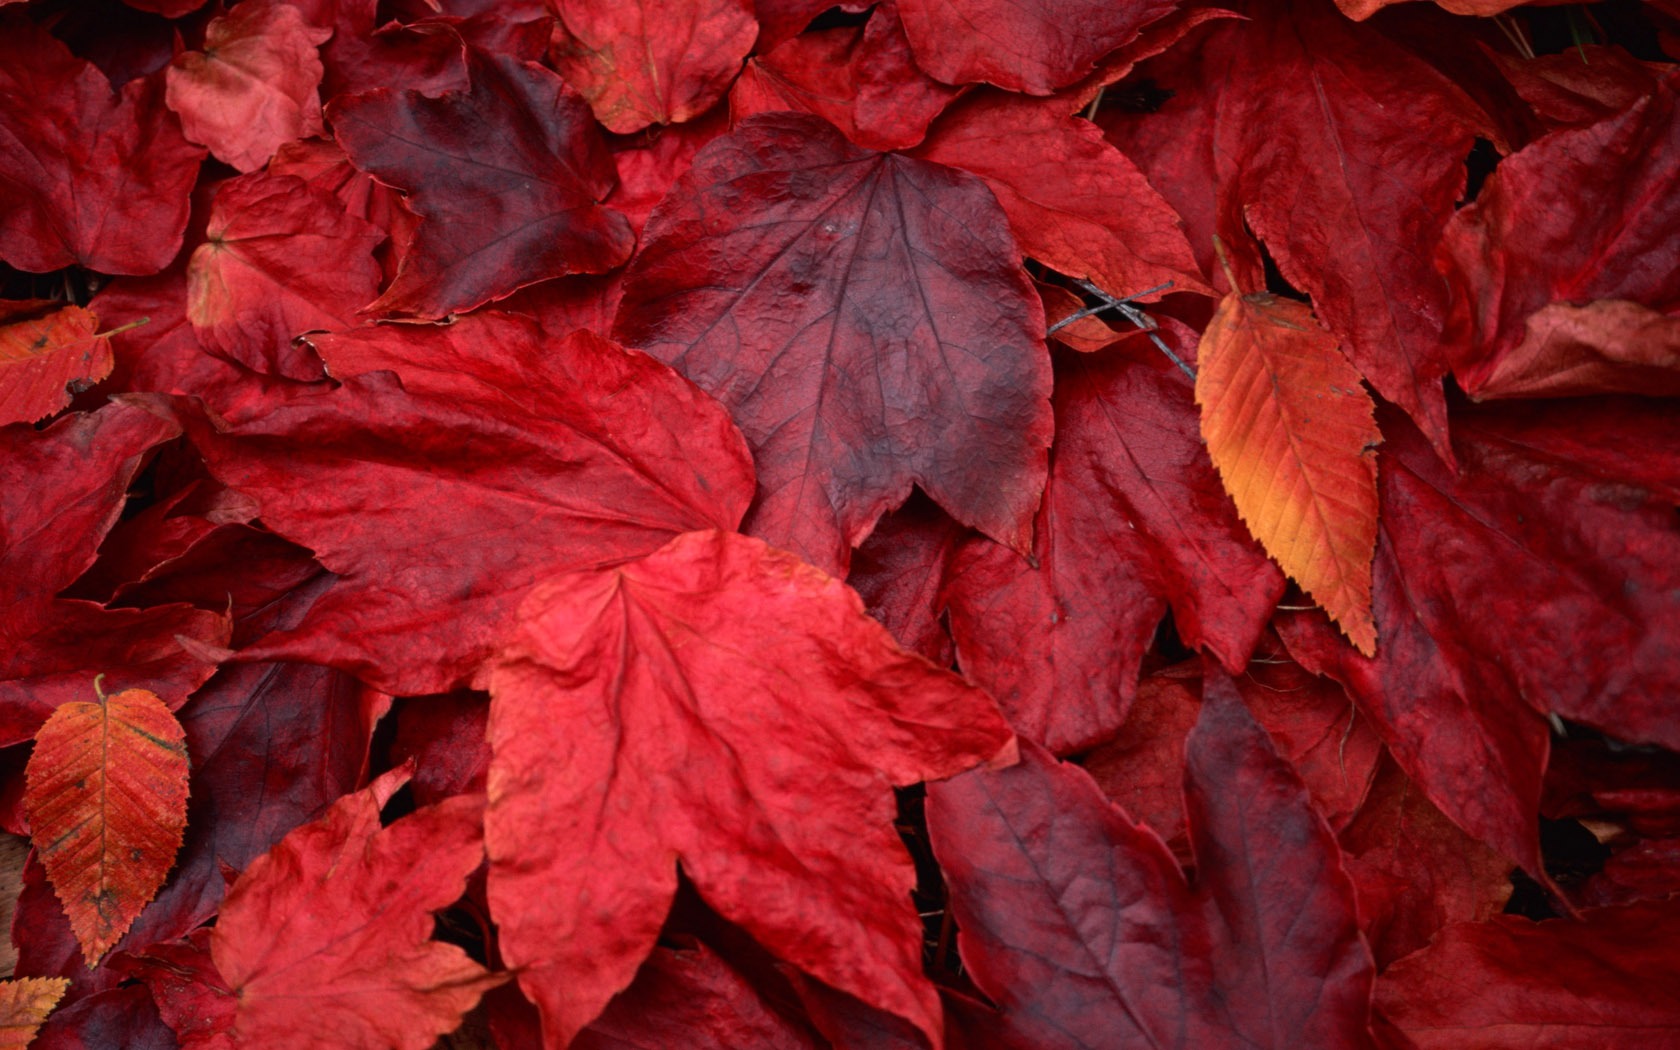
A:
[(1130, 311)]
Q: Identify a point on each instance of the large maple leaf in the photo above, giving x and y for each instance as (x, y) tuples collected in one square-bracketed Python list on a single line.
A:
[(1133, 521), (440, 494), (721, 705), (1078, 923), (865, 318), (87, 176), (504, 175), (652, 64)]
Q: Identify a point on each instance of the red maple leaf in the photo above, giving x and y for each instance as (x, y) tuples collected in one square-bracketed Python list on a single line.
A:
[(751, 721), (537, 464)]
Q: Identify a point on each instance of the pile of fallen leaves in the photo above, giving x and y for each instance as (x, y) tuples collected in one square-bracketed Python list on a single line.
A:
[(948, 523)]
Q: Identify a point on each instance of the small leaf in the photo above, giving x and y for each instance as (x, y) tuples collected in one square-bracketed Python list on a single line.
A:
[(107, 805), (40, 359), (1292, 432), (24, 1004)]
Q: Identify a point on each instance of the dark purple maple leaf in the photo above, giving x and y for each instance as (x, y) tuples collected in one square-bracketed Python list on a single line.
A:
[(865, 319), (505, 176)]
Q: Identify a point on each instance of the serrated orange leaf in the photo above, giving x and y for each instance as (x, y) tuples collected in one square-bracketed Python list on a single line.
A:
[(106, 796), (24, 1004), (1291, 430), (41, 357)]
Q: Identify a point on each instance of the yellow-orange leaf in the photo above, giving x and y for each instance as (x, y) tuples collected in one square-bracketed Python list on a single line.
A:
[(24, 1004), (43, 357), (1291, 430), (106, 796)]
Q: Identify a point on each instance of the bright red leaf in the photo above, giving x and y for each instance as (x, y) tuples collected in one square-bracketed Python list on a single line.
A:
[(749, 721), (1499, 985), (504, 175), (1133, 522), (44, 359), (88, 176), (252, 88), (1078, 923), (107, 803), (865, 319), (641, 64), (331, 931), (1035, 47), (1076, 203), (536, 456), (861, 79), (278, 260)]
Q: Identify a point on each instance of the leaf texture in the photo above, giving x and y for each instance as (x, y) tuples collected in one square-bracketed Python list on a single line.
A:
[(24, 1003), (87, 177), (864, 318), (1080, 925), (523, 207), (44, 359), (253, 86), (539, 456), (331, 931), (278, 260), (652, 64), (748, 721), (1290, 427), (107, 804)]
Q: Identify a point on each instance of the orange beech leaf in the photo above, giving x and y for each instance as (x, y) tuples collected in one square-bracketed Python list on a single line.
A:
[(40, 359), (1292, 432), (330, 932), (24, 1004), (106, 796)]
